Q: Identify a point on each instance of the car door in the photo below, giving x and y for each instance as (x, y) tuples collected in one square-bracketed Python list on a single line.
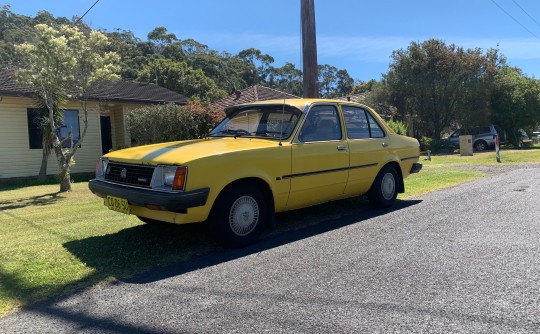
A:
[(368, 148), (320, 159)]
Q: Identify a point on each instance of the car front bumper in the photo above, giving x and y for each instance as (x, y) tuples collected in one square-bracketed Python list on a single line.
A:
[(416, 167), (168, 201)]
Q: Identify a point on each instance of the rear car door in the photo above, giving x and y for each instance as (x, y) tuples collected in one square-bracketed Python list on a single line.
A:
[(368, 146)]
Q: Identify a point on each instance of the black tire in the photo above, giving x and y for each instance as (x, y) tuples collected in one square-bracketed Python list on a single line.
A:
[(383, 192), (239, 215), (481, 146)]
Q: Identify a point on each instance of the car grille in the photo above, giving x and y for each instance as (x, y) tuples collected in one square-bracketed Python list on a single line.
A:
[(135, 175)]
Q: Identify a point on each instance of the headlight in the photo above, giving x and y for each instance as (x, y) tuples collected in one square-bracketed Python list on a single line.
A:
[(173, 177), (101, 168), (168, 175)]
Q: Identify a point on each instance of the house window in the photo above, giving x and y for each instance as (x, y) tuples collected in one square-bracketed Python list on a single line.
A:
[(35, 132), (69, 127)]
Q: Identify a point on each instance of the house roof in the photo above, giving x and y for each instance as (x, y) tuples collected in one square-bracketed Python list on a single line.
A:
[(385, 111), (139, 92), (358, 98), (113, 91), (251, 94)]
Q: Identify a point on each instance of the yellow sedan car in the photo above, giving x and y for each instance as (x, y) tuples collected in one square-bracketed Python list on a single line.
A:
[(264, 157)]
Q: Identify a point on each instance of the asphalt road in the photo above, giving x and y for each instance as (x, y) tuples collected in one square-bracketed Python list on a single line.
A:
[(464, 259)]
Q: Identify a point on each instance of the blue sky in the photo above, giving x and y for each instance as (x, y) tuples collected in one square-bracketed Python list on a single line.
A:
[(355, 35)]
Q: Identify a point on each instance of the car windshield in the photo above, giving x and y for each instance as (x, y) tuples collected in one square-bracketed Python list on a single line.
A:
[(275, 122)]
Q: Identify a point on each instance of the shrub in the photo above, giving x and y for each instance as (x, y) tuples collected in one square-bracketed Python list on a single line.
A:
[(170, 122), (399, 127), (426, 143)]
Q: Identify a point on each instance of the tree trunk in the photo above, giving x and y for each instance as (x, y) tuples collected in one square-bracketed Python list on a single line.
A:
[(64, 164), (65, 183), (43, 169)]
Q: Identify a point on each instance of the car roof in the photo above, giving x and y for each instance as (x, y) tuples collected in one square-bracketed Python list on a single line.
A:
[(297, 103)]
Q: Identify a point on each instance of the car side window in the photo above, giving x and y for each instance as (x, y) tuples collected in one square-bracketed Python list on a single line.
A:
[(374, 127), (322, 124), (360, 124)]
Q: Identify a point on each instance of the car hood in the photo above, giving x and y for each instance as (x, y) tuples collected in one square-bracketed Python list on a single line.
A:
[(182, 152)]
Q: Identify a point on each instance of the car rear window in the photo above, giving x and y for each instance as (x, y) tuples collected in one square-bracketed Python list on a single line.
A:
[(481, 130)]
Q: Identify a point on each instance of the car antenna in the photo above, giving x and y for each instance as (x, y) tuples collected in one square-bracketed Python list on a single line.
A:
[(281, 125)]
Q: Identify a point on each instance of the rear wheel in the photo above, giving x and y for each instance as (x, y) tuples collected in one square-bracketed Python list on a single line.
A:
[(383, 192), (239, 215), (481, 146)]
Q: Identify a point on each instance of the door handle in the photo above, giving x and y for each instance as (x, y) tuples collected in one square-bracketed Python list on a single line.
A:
[(384, 144), (341, 148)]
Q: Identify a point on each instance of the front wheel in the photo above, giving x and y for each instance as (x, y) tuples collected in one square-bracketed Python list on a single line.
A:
[(383, 192), (239, 215)]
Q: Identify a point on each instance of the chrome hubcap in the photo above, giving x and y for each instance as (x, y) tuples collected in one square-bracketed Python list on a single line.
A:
[(388, 186), (244, 216)]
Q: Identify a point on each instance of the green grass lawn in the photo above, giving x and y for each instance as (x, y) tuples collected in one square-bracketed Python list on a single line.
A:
[(433, 177), (487, 158), (52, 244)]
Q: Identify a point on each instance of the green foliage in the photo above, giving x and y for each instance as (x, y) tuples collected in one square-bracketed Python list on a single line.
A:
[(170, 122), (180, 77), (59, 62), (363, 86), (426, 143), (399, 127), (333, 82), (515, 103), (287, 79), (436, 84)]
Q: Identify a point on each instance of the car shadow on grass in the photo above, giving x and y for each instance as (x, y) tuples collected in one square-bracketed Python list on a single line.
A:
[(41, 200), (148, 253)]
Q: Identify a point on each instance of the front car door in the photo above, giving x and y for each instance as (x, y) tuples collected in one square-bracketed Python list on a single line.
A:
[(320, 159)]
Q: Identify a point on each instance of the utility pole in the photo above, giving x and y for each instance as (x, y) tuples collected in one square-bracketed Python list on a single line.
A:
[(309, 48)]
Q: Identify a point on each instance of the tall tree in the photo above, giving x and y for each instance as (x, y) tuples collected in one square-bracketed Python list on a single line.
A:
[(63, 62), (515, 102), (258, 65), (434, 83), (287, 79), (327, 81), (333, 82), (344, 83), (160, 38)]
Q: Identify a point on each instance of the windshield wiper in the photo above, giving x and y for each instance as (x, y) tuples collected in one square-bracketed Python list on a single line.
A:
[(280, 133), (236, 133)]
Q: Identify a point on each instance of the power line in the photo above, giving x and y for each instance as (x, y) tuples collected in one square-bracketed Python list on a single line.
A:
[(89, 9), (530, 32), (524, 11)]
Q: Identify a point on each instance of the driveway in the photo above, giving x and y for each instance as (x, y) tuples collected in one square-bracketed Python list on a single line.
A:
[(464, 259)]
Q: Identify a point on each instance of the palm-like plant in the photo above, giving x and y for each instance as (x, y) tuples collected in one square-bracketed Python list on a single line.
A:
[(48, 134)]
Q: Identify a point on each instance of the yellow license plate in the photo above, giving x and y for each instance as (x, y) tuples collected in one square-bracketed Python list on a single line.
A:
[(117, 204)]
